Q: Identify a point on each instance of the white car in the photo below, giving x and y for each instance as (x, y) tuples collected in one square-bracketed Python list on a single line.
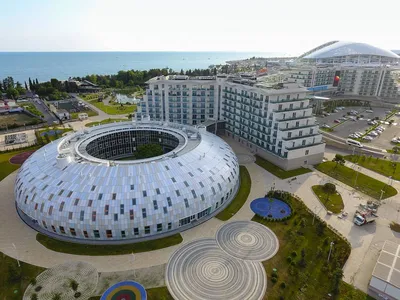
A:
[(373, 133), (368, 138), (398, 113), (369, 111), (326, 126), (353, 136)]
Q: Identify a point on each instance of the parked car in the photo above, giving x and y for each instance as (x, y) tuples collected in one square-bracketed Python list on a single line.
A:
[(369, 111), (335, 111), (388, 111), (396, 140), (373, 133), (336, 121), (325, 126), (367, 138)]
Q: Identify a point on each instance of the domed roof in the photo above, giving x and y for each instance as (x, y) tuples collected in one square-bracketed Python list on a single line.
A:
[(341, 48)]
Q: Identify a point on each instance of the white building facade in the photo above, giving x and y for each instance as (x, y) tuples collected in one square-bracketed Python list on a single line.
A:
[(274, 120)]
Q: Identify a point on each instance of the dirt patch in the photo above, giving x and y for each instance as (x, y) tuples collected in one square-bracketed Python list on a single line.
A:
[(19, 159)]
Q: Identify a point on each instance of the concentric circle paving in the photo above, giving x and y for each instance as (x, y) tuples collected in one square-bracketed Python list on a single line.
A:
[(57, 280), (247, 240), (200, 270)]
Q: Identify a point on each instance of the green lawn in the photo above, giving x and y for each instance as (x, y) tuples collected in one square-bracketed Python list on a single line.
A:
[(106, 121), (334, 203), (98, 250), (364, 184), (349, 292), (31, 108), (14, 279), (381, 166), (6, 168), (114, 109), (241, 196), (278, 172), (159, 293), (311, 278)]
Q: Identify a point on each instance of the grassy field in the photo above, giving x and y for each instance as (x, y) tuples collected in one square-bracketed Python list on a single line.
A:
[(335, 202), (32, 109), (6, 168), (278, 172), (45, 140), (381, 166), (14, 279), (364, 184), (19, 119), (106, 121), (99, 250), (301, 261), (241, 196), (114, 109), (395, 226), (349, 292)]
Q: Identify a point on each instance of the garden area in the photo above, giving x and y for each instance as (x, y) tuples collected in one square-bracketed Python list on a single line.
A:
[(101, 250), (6, 167), (378, 165), (278, 172), (300, 269), (45, 136), (357, 180), (14, 279), (240, 198), (32, 109), (329, 197), (15, 120), (119, 109)]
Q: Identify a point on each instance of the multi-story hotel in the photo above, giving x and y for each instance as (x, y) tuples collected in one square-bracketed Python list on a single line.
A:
[(273, 119)]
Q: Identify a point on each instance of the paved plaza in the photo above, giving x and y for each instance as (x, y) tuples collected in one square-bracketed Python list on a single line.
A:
[(247, 241), (200, 270)]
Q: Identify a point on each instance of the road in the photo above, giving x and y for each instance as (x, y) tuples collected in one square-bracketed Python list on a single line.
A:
[(49, 117)]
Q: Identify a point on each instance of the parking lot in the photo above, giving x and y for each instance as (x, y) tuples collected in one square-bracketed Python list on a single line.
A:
[(348, 127)]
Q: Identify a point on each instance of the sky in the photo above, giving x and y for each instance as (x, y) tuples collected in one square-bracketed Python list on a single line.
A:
[(291, 27)]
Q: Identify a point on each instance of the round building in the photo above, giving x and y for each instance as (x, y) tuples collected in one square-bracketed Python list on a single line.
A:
[(96, 185)]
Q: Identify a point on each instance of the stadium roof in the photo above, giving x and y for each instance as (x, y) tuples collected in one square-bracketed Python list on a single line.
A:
[(341, 48)]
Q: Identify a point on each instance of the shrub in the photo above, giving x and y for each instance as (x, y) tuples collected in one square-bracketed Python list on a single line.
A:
[(293, 254), (77, 294), (74, 285), (329, 188), (38, 288), (274, 274), (282, 285), (14, 272), (56, 297), (289, 259), (33, 281), (34, 297), (274, 279)]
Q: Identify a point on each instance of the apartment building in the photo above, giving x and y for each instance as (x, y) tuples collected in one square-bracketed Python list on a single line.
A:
[(273, 119)]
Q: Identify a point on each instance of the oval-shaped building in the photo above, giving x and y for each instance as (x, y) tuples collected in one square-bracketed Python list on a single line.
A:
[(90, 185)]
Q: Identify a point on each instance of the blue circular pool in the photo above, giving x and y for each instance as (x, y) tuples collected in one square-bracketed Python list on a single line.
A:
[(270, 208)]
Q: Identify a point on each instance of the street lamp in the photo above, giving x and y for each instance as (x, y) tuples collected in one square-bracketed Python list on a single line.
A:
[(382, 192), (330, 250)]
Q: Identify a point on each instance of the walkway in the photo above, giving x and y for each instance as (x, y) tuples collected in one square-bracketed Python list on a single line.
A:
[(365, 241)]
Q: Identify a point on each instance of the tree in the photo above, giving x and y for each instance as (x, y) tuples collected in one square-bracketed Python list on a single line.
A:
[(26, 86), (74, 285), (8, 82), (338, 159), (30, 84), (148, 150), (337, 278), (329, 188), (12, 93)]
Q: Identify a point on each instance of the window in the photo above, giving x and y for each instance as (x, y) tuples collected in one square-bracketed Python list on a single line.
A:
[(109, 233), (289, 135), (61, 206), (50, 210), (85, 233), (115, 217), (54, 229), (93, 187), (93, 216), (131, 214), (185, 182), (177, 193), (121, 209), (70, 215), (44, 224), (123, 235), (133, 201), (166, 167), (191, 175), (303, 142), (114, 196), (146, 229), (73, 232), (69, 194), (90, 203), (169, 226), (100, 197), (213, 190), (155, 205), (307, 151), (216, 205), (136, 231), (144, 214), (201, 184), (62, 230), (186, 202), (82, 216), (165, 210), (144, 194), (158, 191), (60, 193), (132, 187), (219, 186), (106, 209), (202, 197), (76, 201), (194, 194), (159, 227), (173, 179)]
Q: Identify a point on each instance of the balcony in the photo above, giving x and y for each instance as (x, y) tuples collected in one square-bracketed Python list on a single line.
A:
[(292, 109), (293, 118), (285, 100), (299, 127), (299, 137), (303, 146)]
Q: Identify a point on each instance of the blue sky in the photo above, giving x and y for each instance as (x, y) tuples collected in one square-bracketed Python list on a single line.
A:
[(206, 25)]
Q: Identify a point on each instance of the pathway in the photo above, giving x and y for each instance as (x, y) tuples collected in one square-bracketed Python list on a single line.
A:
[(365, 241)]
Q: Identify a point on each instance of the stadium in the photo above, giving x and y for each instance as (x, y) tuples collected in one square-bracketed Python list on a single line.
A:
[(337, 52), (92, 186)]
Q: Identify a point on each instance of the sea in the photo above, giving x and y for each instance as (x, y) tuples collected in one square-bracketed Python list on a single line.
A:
[(62, 65)]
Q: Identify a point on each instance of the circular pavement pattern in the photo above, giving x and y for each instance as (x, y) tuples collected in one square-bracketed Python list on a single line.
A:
[(125, 290), (245, 158), (57, 280), (247, 240), (200, 270)]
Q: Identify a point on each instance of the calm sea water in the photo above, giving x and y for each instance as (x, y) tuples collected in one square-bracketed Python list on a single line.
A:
[(61, 65)]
